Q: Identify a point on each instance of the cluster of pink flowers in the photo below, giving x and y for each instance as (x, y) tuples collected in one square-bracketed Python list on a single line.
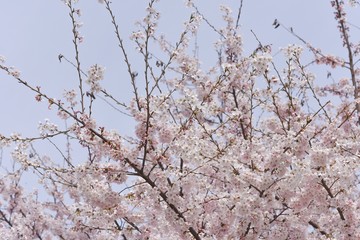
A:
[(293, 51), (332, 61), (194, 23), (47, 127), (95, 75), (242, 151), (260, 63), (70, 97)]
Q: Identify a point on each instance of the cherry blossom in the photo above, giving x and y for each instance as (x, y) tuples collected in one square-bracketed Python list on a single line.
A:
[(248, 149), (95, 74)]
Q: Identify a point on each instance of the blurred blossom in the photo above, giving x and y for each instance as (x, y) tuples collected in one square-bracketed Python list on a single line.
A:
[(95, 75), (292, 51), (47, 127)]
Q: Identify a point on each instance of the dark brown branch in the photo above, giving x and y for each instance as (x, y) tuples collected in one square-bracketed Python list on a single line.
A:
[(314, 225)]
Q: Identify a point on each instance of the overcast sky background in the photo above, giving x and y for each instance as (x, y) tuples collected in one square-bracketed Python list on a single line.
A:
[(35, 32)]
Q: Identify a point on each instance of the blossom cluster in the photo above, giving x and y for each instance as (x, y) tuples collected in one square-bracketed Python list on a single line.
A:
[(95, 75), (70, 97), (330, 60), (245, 150), (47, 128), (292, 51), (260, 63), (151, 20), (194, 23)]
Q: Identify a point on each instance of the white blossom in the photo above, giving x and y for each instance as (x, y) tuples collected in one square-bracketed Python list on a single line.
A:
[(95, 75)]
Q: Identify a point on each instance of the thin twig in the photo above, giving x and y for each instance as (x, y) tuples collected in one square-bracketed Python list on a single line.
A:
[(75, 42), (239, 14)]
